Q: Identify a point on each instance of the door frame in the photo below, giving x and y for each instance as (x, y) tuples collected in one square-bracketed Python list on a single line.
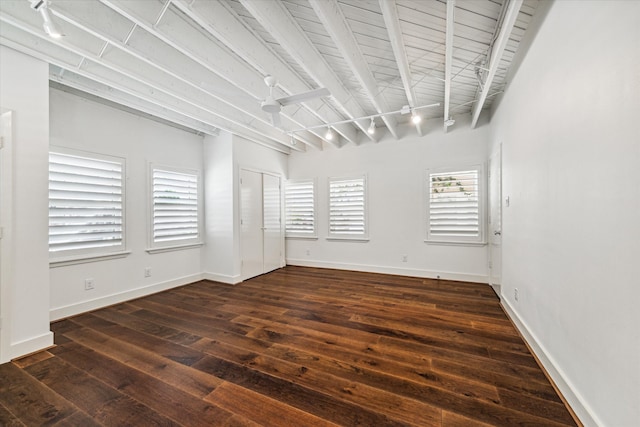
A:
[(6, 242), (495, 240)]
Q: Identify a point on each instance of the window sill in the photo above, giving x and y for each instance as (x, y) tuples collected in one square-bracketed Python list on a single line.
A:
[(301, 237), (63, 262), (348, 239), (174, 248), (454, 243)]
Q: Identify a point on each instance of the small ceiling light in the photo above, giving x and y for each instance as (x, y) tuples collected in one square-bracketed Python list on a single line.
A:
[(49, 26), (416, 118), (449, 122), (372, 127), (293, 141), (329, 135)]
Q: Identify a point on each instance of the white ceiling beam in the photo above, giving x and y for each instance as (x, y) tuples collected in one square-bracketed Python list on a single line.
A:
[(336, 25), (226, 26), (275, 18), (498, 49), (93, 67), (178, 64), (92, 87), (391, 20), (448, 58)]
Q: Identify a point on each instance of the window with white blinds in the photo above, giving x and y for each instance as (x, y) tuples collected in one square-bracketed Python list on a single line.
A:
[(454, 206), (175, 210), (300, 212), (86, 204), (348, 208)]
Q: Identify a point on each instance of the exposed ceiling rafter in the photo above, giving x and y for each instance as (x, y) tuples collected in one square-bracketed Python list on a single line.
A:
[(274, 17), (391, 20), (213, 16), (448, 59), (132, 81), (496, 54), (335, 23)]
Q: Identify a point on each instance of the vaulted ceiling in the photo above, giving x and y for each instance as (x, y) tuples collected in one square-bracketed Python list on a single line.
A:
[(202, 63)]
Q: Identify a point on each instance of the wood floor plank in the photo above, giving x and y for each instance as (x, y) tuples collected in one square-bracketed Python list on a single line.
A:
[(28, 400), (261, 409), (296, 347)]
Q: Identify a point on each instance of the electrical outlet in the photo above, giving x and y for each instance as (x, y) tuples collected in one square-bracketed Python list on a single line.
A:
[(515, 294), (405, 258), (147, 272), (88, 284)]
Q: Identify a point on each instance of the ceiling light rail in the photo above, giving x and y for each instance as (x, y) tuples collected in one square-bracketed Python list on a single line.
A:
[(405, 110)]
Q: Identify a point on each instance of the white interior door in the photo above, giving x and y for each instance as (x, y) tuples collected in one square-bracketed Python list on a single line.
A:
[(495, 218), (261, 231), (251, 233), (272, 229)]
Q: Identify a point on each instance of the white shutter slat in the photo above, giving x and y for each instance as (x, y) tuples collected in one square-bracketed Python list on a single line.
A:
[(85, 203), (299, 201), (347, 216), (175, 206), (454, 208)]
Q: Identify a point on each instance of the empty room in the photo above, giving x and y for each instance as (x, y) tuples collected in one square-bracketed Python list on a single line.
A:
[(320, 213)]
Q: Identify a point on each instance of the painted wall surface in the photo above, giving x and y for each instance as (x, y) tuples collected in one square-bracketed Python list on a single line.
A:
[(395, 173), (571, 236), (224, 156), (80, 124), (24, 89), (218, 259)]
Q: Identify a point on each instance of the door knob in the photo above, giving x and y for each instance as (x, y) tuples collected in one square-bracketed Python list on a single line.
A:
[(497, 233)]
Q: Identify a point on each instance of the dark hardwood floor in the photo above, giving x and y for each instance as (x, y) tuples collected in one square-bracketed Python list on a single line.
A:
[(295, 347)]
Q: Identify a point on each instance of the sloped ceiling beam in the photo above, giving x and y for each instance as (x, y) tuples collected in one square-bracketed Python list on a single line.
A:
[(498, 49), (275, 18), (335, 23), (448, 58), (83, 84), (391, 20), (179, 63), (225, 25), (95, 68)]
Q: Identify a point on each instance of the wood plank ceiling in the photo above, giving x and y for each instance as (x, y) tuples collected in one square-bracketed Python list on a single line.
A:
[(201, 63)]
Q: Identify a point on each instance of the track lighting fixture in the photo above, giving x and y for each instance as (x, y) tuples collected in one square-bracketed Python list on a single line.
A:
[(372, 127), (329, 135), (49, 26)]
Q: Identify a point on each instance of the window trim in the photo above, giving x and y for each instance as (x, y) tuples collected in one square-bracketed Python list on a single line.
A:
[(479, 240), (154, 247), (74, 256), (297, 235), (363, 237)]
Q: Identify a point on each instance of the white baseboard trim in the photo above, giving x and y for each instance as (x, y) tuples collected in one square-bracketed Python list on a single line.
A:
[(31, 345), (445, 275), (85, 306), (222, 278), (575, 400)]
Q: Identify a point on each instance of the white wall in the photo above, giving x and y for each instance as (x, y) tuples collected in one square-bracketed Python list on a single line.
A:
[(82, 124), (24, 89), (571, 236), (224, 156), (395, 178)]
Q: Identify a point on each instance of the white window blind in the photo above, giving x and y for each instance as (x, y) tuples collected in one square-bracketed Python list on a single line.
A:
[(300, 214), (86, 204), (347, 208), (175, 207), (454, 206)]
